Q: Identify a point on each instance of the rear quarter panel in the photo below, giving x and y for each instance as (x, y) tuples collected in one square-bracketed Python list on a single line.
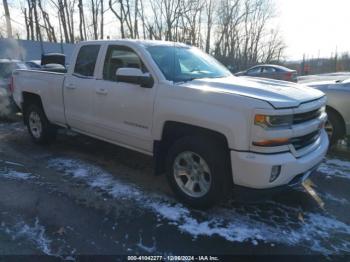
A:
[(48, 85), (339, 99)]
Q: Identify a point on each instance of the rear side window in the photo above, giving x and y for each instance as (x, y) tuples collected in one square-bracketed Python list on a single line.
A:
[(86, 60)]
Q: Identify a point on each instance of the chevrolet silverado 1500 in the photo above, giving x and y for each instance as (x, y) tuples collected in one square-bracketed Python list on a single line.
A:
[(208, 130)]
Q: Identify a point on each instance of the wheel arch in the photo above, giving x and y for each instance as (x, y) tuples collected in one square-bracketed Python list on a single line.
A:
[(174, 130), (336, 112), (30, 99)]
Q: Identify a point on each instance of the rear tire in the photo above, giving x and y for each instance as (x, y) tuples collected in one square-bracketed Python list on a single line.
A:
[(198, 171), (39, 127), (334, 127)]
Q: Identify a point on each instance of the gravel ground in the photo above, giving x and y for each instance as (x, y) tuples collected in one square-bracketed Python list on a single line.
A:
[(83, 196)]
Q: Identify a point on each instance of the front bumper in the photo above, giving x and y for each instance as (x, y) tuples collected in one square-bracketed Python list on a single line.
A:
[(253, 170)]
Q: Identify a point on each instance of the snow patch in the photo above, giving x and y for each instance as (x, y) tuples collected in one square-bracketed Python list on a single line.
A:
[(148, 249), (15, 175), (335, 167), (34, 233), (330, 197), (11, 163), (275, 223), (95, 177)]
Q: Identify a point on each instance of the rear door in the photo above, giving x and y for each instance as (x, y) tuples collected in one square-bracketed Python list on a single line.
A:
[(79, 88), (124, 111), (270, 72)]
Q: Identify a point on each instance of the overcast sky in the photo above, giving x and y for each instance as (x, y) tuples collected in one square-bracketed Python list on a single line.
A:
[(310, 27), (314, 26)]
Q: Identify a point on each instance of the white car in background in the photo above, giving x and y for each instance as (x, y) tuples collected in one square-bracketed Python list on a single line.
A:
[(7, 66), (338, 106)]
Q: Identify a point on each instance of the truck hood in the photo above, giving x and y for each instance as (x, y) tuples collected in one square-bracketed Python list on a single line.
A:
[(280, 94)]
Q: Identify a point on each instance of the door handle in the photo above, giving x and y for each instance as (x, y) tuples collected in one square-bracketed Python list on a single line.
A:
[(101, 91), (70, 86)]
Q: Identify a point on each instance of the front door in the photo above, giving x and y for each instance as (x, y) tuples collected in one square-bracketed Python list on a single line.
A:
[(124, 111)]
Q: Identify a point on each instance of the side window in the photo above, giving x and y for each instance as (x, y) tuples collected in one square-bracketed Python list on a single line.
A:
[(86, 60), (118, 57), (269, 70), (254, 71)]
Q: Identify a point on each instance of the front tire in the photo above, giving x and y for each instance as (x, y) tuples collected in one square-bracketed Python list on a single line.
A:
[(198, 171), (39, 127)]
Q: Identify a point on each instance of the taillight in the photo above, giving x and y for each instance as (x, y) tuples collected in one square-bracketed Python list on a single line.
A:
[(11, 85), (288, 76)]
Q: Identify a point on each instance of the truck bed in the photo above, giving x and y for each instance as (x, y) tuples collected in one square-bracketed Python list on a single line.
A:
[(44, 83)]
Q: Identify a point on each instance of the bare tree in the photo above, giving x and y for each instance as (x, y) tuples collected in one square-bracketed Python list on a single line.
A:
[(28, 19), (82, 25), (237, 32), (38, 34), (243, 34), (69, 9), (95, 6), (128, 13), (209, 7), (102, 11), (50, 30), (117, 11), (8, 19)]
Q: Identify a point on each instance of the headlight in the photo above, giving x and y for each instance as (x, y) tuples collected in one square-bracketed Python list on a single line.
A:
[(273, 121)]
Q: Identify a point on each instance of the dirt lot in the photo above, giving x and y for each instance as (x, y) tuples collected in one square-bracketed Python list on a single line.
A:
[(82, 196)]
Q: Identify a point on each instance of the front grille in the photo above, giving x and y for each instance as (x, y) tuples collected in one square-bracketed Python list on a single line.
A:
[(303, 141), (307, 116)]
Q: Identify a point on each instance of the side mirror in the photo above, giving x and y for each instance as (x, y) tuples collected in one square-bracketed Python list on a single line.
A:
[(134, 76)]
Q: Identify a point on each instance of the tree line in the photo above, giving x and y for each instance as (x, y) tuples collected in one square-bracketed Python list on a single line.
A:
[(237, 32)]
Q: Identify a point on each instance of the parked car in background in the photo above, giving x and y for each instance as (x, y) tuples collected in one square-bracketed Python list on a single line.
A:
[(7, 66), (271, 71), (33, 64), (338, 107)]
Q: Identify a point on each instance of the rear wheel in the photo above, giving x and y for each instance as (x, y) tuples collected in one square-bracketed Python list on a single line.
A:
[(39, 127), (198, 171)]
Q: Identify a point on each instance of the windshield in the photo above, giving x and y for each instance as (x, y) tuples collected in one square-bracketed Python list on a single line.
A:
[(180, 64)]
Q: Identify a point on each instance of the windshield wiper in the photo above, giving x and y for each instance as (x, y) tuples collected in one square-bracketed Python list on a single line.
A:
[(187, 80)]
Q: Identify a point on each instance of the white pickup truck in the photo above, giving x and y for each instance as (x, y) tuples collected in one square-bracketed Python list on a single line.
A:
[(208, 130)]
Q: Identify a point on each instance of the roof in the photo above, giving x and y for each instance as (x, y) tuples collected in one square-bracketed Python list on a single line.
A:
[(145, 43), (271, 65)]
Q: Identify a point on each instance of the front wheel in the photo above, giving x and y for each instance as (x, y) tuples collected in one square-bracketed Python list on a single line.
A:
[(198, 171), (39, 127), (334, 127)]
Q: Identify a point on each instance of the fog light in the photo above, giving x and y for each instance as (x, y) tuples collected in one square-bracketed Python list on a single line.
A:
[(275, 172)]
